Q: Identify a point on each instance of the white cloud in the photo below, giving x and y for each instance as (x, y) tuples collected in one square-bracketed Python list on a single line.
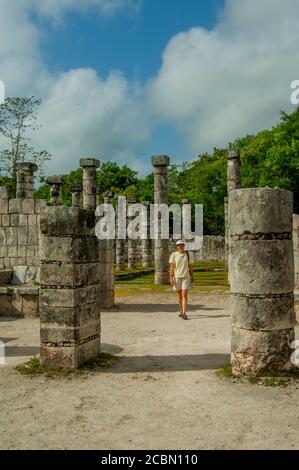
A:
[(220, 84), (54, 9)]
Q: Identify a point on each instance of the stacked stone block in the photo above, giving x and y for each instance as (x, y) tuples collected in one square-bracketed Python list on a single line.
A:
[(132, 244), (146, 245), (160, 164), (89, 166), (107, 267), (55, 183), (25, 180), (262, 280), (70, 293), (19, 233)]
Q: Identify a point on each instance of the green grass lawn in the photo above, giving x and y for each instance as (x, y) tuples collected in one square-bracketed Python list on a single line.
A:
[(206, 280)]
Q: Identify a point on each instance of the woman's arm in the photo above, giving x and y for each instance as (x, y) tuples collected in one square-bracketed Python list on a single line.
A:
[(171, 273), (191, 272)]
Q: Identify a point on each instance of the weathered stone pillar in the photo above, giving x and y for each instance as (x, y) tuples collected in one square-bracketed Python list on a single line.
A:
[(226, 228), (132, 244), (55, 183), (160, 164), (76, 196), (146, 244), (296, 248), (262, 280), (233, 170), (25, 180), (106, 266), (69, 287), (89, 166)]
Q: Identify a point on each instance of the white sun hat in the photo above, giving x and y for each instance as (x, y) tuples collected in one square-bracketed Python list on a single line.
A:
[(180, 242)]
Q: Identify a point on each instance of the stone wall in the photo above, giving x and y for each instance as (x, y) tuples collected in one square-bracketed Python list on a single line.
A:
[(19, 231), (213, 249)]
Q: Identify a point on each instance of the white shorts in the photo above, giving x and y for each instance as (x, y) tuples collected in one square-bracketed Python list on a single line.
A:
[(182, 283)]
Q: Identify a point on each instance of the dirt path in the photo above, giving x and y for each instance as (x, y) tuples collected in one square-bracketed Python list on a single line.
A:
[(163, 394)]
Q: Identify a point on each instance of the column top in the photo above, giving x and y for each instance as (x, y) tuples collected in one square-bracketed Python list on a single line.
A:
[(160, 160), (76, 189), (55, 179), (185, 201), (89, 162), (29, 166), (233, 154)]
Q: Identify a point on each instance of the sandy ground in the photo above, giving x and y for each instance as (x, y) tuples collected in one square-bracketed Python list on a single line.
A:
[(163, 394)]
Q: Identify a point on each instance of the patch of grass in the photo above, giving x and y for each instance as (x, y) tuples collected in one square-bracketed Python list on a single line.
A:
[(33, 367), (226, 372), (270, 379)]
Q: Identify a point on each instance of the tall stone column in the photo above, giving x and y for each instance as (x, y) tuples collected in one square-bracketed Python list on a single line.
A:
[(76, 196), (296, 248), (262, 280), (160, 164), (107, 266), (55, 183), (233, 170), (226, 229), (89, 166), (146, 244), (132, 244), (233, 182), (69, 287), (25, 180)]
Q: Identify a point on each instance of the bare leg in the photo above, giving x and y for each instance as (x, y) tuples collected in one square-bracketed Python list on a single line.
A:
[(184, 300), (180, 300)]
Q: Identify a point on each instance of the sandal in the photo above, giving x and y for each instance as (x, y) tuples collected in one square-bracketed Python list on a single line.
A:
[(181, 315), (184, 316)]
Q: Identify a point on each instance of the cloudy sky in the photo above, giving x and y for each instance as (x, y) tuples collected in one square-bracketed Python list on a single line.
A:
[(124, 79)]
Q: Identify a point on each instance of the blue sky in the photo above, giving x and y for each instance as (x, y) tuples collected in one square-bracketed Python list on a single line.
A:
[(130, 43), (121, 80)]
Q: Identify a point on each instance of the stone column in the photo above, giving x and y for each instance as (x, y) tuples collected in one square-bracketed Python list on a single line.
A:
[(132, 245), (89, 166), (226, 229), (146, 244), (55, 183), (296, 248), (69, 287), (76, 196), (160, 164), (262, 280), (233, 170), (25, 180), (107, 266)]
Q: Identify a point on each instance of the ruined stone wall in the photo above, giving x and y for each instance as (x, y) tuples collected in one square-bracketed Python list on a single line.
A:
[(19, 231), (213, 249)]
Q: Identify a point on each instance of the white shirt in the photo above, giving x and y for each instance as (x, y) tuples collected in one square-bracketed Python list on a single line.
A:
[(181, 263)]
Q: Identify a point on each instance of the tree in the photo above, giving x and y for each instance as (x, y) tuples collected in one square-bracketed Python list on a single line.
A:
[(17, 118)]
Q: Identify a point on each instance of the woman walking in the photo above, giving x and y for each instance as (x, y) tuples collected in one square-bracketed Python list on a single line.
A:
[(181, 275)]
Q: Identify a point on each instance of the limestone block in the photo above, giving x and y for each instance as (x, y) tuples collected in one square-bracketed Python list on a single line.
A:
[(32, 235), (30, 306), (69, 297), (262, 267), (11, 236), (3, 206), (107, 299), (73, 356), (69, 275), (2, 236), (67, 249), (38, 204), (3, 192), (68, 221), (19, 275), (15, 206), (70, 334), (260, 211), (28, 206), (75, 317), (257, 351), (5, 304), (23, 220), (3, 251), (263, 313), (22, 235), (5, 220), (12, 251), (5, 276), (14, 220), (22, 249), (32, 219), (31, 274), (28, 291)]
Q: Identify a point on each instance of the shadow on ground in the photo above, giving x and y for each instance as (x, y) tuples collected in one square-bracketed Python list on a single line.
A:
[(156, 308)]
